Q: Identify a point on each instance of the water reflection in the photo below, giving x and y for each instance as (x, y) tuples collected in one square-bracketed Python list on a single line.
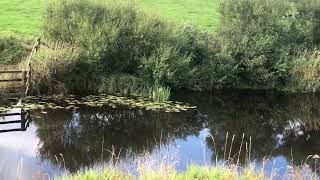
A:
[(79, 136), (282, 127), (279, 124), (15, 120)]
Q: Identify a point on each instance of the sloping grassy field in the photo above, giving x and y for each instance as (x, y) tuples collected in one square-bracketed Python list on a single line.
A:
[(201, 12), (23, 17)]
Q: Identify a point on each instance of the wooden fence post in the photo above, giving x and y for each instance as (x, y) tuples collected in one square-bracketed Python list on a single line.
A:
[(24, 82)]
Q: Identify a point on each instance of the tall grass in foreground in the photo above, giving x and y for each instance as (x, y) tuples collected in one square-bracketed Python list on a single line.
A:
[(167, 173), (149, 167)]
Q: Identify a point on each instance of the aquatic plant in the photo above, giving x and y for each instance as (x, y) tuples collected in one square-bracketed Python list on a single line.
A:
[(159, 94), (131, 85), (114, 101)]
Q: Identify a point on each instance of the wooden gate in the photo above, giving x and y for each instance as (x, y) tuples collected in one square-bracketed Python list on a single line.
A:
[(15, 83)]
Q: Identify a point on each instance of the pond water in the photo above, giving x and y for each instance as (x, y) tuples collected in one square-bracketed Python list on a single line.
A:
[(273, 130)]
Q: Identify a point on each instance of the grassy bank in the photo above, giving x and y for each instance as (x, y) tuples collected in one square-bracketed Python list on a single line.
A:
[(23, 18)]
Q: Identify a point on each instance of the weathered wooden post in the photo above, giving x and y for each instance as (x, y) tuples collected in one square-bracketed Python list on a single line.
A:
[(24, 82), (38, 44)]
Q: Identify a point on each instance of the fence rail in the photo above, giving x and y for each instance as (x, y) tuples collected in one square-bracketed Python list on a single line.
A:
[(10, 75), (23, 76), (11, 71)]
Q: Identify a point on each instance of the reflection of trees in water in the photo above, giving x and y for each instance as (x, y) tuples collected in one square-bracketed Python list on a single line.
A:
[(79, 135), (276, 123)]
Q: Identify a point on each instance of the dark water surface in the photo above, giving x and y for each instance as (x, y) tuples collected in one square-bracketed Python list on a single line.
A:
[(284, 131)]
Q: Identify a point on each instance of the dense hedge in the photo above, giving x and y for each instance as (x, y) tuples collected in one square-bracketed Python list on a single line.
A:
[(115, 38), (264, 37), (12, 50), (260, 44)]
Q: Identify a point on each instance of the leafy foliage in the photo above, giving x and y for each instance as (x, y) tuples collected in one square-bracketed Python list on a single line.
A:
[(305, 72), (124, 50), (12, 50), (54, 70), (263, 37)]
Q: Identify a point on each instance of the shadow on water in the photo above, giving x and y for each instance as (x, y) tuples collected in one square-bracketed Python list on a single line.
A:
[(282, 127)]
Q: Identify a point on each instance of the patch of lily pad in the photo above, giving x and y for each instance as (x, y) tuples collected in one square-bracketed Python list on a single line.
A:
[(114, 101)]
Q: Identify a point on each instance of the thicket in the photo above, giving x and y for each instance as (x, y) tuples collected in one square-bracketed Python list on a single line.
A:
[(270, 40), (124, 50), (12, 50), (111, 47)]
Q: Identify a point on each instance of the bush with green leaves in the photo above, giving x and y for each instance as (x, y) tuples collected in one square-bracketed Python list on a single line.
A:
[(62, 68), (12, 50), (113, 34), (166, 66), (264, 36), (119, 39), (305, 72), (209, 68), (124, 50)]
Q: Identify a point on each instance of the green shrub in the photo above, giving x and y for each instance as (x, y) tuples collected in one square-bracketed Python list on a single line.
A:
[(217, 73), (198, 43), (123, 50), (305, 72), (166, 66), (114, 34), (12, 50), (209, 67), (56, 70), (118, 39), (263, 37)]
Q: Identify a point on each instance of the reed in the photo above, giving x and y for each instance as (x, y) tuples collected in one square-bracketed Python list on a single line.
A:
[(159, 93)]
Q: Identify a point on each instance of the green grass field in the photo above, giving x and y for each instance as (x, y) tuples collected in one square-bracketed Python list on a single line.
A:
[(200, 12), (23, 17)]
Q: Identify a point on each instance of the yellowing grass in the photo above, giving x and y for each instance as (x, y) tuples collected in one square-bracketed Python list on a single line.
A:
[(168, 173)]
